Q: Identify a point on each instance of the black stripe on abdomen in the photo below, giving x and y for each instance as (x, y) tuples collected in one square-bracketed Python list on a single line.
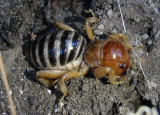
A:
[(75, 42), (41, 49), (63, 47), (51, 50)]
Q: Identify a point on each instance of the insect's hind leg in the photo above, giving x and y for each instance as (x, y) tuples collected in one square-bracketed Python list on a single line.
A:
[(49, 77), (46, 76), (63, 26)]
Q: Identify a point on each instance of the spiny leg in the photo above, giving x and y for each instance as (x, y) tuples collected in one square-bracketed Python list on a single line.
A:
[(118, 36), (101, 71), (138, 47), (114, 79), (63, 26), (88, 24), (45, 76), (47, 83), (49, 77), (133, 67), (66, 77), (90, 11)]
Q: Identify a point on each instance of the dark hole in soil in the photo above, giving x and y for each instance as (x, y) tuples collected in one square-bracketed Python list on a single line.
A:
[(146, 102)]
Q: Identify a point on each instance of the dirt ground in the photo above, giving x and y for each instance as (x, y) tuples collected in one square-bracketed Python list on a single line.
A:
[(86, 95)]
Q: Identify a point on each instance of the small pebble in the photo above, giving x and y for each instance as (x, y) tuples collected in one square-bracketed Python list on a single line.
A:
[(10, 92), (132, 72), (114, 30), (145, 36), (149, 42), (98, 32), (101, 27), (85, 87), (21, 92), (110, 13), (49, 91), (137, 19), (157, 36), (111, 25), (13, 68), (140, 51), (49, 113), (98, 12), (22, 79)]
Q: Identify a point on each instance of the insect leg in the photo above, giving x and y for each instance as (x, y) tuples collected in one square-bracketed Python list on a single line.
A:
[(100, 72), (118, 36), (114, 79), (48, 77), (63, 26), (88, 24), (67, 76)]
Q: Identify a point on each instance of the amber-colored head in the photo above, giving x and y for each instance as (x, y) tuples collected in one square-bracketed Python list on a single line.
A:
[(108, 53), (115, 56)]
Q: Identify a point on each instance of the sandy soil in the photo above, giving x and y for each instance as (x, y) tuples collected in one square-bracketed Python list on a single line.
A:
[(86, 95)]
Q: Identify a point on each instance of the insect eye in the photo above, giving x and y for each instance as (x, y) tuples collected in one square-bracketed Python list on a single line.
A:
[(121, 66)]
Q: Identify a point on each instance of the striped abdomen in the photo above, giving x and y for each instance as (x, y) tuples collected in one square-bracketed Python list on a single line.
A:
[(62, 50)]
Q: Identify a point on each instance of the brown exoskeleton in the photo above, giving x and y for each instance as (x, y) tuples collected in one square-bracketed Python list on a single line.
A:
[(63, 55)]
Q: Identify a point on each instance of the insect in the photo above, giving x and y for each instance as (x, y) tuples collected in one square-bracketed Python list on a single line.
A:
[(63, 55)]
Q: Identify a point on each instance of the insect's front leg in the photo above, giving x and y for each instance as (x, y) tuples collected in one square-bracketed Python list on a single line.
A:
[(88, 24), (114, 79), (118, 36), (102, 71), (63, 26)]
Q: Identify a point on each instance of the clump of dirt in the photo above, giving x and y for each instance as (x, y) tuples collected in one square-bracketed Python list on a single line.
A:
[(86, 95)]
